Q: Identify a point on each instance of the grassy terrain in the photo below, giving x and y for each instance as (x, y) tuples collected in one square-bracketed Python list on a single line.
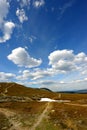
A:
[(69, 116), (4, 122), (60, 116), (14, 89), (24, 113), (72, 97), (47, 125)]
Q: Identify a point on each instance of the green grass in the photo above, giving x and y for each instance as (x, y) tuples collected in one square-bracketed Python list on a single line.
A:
[(47, 125)]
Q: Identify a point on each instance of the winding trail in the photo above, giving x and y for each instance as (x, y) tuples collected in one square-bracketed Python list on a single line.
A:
[(16, 125), (46, 110), (42, 116), (6, 89), (73, 104)]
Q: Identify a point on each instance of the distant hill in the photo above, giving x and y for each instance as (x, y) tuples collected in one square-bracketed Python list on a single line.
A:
[(46, 89), (82, 91), (71, 92)]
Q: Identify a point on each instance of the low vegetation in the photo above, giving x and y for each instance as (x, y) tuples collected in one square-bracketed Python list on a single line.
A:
[(4, 122), (69, 116), (20, 109)]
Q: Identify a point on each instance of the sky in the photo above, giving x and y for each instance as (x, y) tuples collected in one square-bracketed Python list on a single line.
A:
[(43, 43)]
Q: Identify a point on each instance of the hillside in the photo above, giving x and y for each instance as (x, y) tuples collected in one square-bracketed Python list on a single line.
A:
[(84, 91), (14, 89)]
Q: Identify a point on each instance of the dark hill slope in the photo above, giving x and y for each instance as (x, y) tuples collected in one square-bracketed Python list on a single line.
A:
[(46, 89)]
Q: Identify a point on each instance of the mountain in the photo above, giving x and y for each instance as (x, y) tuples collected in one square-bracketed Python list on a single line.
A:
[(74, 91), (82, 91)]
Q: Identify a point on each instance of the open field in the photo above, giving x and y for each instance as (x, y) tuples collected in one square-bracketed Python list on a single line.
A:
[(21, 114)]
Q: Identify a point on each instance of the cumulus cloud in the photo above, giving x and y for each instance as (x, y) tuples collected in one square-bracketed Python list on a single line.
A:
[(20, 57), (81, 58), (60, 54), (38, 73), (61, 62), (67, 61), (38, 3), (6, 27), (24, 76), (6, 76), (21, 15), (7, 31)]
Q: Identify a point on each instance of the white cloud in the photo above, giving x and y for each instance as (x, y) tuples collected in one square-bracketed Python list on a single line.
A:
[(67, 61), (38, 3), (64, 73), (6, 76), (4, 9), (6, 27), (38, 73), (35, 74), (60, 55), (66, 6), (20, 57), (21, 15), (32, 38), (84, 72), (55, 85), (62, 62), (85, 79), (81, 58), (7, 31), (25, 75)]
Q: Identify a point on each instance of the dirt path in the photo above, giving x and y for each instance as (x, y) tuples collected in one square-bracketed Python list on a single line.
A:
[(73, 104), (11, 117), (42, 116), (6, 90), (16, 125)]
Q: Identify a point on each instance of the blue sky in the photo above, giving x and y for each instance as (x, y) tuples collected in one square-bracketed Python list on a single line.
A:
[(43, 43)]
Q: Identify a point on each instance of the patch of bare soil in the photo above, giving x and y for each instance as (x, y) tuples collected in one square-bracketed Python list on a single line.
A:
[(11, 117)]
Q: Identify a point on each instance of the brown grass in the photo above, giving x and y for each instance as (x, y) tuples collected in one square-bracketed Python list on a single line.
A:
[(20, 90), (24, 113), (61, 116), (69, 117)]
